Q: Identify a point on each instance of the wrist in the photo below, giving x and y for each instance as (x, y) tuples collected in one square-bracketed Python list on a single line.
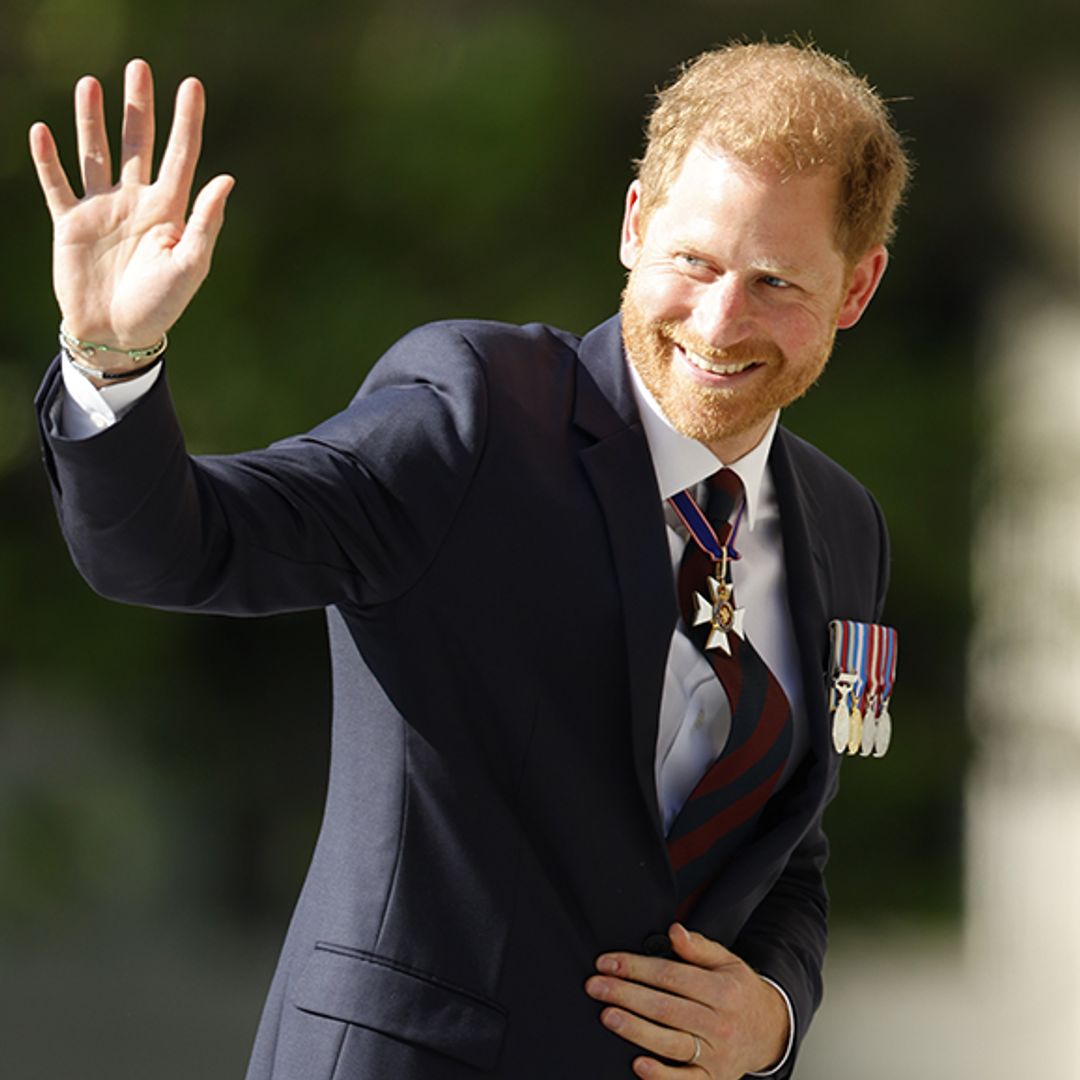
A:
[(104, 363), (781, 1023)]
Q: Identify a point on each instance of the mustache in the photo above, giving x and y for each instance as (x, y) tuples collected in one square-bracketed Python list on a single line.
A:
[(751, 350)]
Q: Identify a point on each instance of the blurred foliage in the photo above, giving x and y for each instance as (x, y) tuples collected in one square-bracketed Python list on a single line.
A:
[(404, 161)]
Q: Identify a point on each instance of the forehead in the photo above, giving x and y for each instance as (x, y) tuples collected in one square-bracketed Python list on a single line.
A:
[(716, 195)]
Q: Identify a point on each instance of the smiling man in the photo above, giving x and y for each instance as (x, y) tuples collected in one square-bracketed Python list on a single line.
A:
[(573, 824)]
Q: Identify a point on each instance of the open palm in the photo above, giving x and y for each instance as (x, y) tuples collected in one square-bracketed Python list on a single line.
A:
[(127, 258)]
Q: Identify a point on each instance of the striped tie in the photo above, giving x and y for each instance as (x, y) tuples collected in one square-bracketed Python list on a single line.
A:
[(723, 808)]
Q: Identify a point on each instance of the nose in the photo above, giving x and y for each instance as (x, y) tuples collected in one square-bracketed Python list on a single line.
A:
[(723, 315)]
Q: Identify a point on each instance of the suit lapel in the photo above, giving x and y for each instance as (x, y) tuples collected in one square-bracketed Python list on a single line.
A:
[(621, 472), (808, 586)]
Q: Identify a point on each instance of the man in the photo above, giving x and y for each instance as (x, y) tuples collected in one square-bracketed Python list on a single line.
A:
[(515, 875)]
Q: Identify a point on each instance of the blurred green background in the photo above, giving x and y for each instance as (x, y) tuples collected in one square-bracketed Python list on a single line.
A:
[(161, 776)]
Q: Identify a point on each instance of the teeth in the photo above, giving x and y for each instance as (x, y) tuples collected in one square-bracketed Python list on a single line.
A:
[(713, 368)]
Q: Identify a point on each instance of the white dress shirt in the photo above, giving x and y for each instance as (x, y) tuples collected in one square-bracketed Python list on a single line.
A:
[(84, 410)]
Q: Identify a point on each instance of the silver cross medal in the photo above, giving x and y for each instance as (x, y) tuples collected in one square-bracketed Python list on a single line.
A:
[(719, 610)]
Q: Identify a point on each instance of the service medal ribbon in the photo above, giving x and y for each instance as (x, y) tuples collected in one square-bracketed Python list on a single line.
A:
[(863, 674)]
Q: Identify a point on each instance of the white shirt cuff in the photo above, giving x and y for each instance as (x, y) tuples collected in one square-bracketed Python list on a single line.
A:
[(84, 410), (791, 1030)]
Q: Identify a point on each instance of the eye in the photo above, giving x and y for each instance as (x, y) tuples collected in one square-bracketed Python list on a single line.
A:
[(693, 264), (775, 282)]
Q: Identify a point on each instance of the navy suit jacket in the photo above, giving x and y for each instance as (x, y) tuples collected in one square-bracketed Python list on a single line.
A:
[(483, 526)]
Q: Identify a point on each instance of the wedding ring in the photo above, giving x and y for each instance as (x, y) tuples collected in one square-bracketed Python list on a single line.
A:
[(697, 1049)]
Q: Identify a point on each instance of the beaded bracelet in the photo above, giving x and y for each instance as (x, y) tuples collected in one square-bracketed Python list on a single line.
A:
[(97, 373), (78, 351)]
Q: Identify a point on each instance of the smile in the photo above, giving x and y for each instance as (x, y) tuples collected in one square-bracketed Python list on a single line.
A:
[(713, 367)]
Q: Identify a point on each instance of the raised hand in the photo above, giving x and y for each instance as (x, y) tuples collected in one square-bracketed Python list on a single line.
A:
[(707, 1010), (127, 257)]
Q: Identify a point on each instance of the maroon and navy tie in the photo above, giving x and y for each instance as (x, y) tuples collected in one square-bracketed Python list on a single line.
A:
[(722, 810)]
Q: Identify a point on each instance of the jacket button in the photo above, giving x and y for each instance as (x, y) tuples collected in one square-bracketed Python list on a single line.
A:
[(657, 945)]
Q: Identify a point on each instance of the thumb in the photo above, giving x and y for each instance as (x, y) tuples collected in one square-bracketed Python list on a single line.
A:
[(697, 949), (204, 223)]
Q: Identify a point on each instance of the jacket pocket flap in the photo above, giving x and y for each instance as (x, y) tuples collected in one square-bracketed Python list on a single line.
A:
[(374, 992)]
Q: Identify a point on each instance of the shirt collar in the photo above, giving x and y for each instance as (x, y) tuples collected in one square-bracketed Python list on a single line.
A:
[(681, 462)]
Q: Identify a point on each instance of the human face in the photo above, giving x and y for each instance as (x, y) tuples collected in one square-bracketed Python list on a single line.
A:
[(735, 294)]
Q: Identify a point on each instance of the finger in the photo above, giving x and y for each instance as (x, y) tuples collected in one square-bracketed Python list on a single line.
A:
[(95, 162), (196, 245), (670, 1010), (666, 1042), (650, 1069), (50, 173), (697, 949), (673, 976), (185, 141), (137, 138)]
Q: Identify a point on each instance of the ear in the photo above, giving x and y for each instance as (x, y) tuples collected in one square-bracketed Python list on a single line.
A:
[(862, 284), (631, 239)]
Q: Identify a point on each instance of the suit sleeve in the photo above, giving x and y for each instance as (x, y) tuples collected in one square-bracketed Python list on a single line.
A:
[(884, 559), (786, 936), (352, 511)]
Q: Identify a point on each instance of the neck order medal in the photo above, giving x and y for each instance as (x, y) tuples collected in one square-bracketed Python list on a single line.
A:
[(719, 610)]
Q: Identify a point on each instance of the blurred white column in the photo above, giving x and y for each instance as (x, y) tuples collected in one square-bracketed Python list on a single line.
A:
[(1023, 861)]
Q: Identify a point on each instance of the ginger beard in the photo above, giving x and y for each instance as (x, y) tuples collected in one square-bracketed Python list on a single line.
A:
[(714, 414)]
